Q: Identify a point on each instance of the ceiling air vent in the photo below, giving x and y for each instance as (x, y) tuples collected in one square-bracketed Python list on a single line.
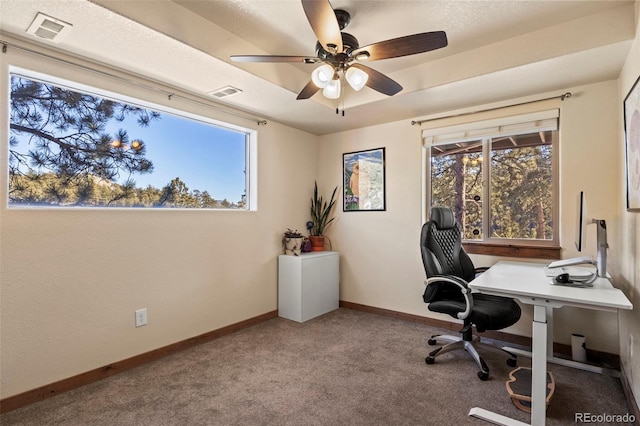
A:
[(225, 91), (49, 28)]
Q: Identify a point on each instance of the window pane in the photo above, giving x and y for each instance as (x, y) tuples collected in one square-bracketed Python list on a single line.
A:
[(456, 182), (69, 148), (522, 186)]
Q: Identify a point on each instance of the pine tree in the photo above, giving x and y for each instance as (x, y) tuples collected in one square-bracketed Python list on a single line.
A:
[(65, 133)]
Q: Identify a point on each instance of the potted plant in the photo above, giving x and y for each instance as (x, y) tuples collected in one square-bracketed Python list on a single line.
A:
[(320, 217), (292, 242)]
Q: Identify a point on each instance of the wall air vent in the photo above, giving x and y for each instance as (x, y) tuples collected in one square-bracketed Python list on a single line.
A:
[(225, 91), (49, 28)]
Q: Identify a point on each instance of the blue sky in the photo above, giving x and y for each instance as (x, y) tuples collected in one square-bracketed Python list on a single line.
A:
[(205, 157)]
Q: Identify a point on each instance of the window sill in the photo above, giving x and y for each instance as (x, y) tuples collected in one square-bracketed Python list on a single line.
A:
[(533, 252)]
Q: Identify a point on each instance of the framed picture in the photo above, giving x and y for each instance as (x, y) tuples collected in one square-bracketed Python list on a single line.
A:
[(363, 181), (632, 145)]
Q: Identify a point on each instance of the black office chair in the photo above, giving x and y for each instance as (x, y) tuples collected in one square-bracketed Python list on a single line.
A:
[(449, 269)]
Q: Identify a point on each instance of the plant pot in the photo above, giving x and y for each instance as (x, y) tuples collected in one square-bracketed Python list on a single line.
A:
[(317, 242), (293, 246)]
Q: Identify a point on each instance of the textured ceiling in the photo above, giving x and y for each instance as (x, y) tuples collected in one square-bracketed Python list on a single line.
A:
[(497, 50)]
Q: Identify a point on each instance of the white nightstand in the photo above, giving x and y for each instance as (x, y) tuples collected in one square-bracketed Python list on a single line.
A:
[(308, 285)]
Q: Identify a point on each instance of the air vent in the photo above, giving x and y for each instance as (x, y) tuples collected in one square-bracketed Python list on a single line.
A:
[(225, 91), (49, 28)]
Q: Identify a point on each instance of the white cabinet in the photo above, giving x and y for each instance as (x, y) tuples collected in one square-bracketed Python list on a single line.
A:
[(308, 285)]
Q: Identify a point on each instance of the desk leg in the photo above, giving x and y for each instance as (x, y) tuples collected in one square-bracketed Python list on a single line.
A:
[(539, 366), (538, 377), (495, 418), (549, 332), (567, 363), (560, 361)]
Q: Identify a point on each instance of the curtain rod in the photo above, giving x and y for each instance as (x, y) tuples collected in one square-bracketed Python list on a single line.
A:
[(169, 95), (562, 98)]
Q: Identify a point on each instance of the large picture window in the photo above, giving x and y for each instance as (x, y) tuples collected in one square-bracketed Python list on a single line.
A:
[(498, 177), (69, 148)]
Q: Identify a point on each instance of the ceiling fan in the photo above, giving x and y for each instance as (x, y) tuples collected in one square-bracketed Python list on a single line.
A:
[(340, 53)]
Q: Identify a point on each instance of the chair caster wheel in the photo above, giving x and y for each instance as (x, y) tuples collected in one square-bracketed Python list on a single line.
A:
[(512, 362), (432, 342), (483, 375), (429, 360)]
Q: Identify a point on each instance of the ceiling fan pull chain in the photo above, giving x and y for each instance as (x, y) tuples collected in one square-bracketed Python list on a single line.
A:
[(341, 100)]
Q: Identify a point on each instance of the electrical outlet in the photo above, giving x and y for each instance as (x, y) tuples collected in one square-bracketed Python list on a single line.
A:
[(141, 317)]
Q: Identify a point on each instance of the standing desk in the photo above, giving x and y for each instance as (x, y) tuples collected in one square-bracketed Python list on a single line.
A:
[(528, 283)]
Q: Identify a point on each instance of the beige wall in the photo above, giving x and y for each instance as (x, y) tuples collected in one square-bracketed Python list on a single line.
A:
[(628, 273), (380, 262), (71, 279)]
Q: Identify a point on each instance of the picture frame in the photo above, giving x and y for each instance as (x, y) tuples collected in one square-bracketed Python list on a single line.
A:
[(631, 107), (364, 180)]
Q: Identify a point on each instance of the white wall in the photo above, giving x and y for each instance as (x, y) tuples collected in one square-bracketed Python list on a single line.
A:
[(628, 274), (71, 279), (380, 262)]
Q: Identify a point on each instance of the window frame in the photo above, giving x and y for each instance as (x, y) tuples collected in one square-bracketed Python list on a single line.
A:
[(512, 247), (146, 98)]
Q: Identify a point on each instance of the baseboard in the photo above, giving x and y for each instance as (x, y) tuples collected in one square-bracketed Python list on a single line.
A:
[(29, 397), (631, 400), (604, 359)]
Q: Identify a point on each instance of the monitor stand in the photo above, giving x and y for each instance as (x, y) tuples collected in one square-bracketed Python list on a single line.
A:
[(601, 257)]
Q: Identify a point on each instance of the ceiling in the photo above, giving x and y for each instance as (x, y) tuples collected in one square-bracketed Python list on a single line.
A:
[(497, 50)]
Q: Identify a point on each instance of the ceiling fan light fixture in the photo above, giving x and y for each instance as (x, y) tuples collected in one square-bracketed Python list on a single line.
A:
[(356, 78), (322, 75), (332, 89)]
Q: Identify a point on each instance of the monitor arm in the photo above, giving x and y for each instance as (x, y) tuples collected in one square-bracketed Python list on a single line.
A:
[(601, 257)]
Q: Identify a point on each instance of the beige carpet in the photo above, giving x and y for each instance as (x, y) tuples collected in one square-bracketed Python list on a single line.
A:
[(344, 368)]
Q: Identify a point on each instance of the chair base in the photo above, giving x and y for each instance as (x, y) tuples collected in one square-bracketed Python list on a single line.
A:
[(466, 343)]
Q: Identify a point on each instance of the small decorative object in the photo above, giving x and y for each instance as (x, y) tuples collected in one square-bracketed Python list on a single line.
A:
[(363, 175), (306, 245), (632, 145), (292, 242), (320, 211), (519, 388)]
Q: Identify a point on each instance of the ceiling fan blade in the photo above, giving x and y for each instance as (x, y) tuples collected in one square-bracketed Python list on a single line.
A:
[(324, 23), (309, 90), (380, 82), (404, 46), (275, 58)]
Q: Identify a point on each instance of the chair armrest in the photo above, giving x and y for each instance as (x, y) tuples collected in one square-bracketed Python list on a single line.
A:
[(464, 289), (480, 270)]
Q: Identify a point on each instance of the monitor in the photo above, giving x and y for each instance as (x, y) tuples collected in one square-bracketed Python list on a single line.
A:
[(581, 222)]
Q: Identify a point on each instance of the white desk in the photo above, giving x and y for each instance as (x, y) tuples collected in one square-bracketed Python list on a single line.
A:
[(528, 283)]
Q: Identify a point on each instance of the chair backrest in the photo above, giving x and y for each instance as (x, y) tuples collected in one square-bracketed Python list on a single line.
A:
[(441, 246)]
